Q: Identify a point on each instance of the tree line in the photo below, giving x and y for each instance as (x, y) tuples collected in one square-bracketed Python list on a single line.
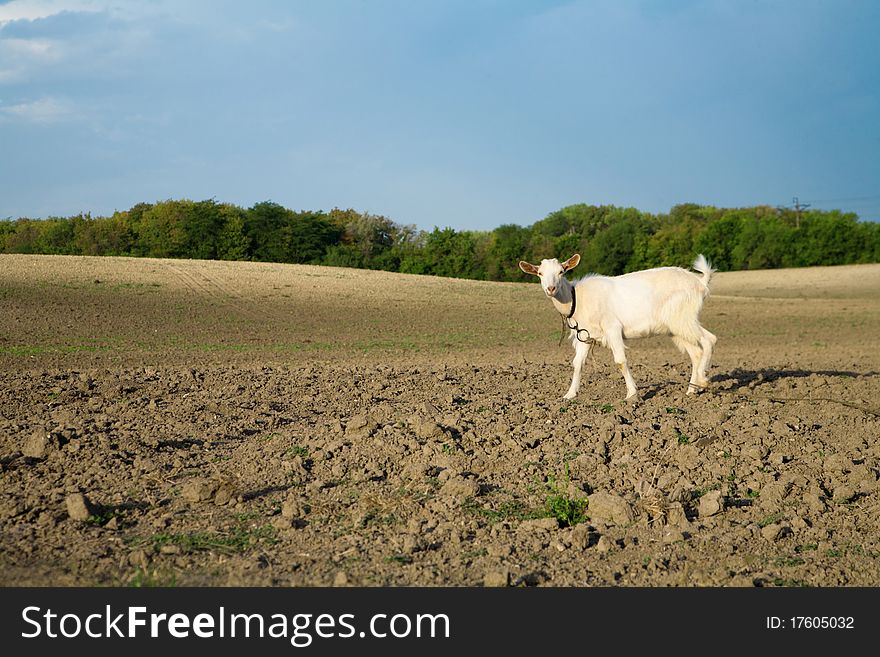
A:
[(611, 240)]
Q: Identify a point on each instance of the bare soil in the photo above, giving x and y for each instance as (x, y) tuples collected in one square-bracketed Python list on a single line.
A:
[(205, 423)]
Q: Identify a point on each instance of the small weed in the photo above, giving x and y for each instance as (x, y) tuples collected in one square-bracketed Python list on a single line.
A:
[(239, 539), (103, 517), (402, 559), (150, 579), (790, 561), (567, 510), (473, 554), (806, 547), (388, 519), (606, 408), (699, 492), (682, 438), (752, 494), (790, 583), (675, 410), (297, 450), (447, 448), (510, 510), (769, 520)]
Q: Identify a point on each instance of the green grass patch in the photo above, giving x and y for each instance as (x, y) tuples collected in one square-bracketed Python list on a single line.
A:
[(402, 559), (152, 579), (237, 540), (790, 561), (769, 520), (567, 510), (103, 517), (39, 350), (297, 450), (788, 583), (508, 510)]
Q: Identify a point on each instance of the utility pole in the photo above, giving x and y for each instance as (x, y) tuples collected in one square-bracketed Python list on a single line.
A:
[(798, 206)]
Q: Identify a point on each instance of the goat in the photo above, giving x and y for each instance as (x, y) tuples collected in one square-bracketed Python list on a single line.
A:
[(607, 310)]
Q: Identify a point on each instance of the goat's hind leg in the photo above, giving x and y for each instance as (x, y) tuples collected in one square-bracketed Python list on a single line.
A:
[(707, 342), (695, 352), (581, 351)]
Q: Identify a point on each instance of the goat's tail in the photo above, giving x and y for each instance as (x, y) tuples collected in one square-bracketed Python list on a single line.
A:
[(702, 265)]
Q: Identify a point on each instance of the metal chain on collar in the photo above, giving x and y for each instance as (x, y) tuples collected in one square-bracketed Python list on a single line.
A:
[(566, 323), (582, 335)]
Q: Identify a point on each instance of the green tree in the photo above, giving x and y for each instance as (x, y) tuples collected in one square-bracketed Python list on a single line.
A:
[(719, 239), (263, 225), (162, 230), (611, 249), (232, 241), (306, 237), (446, 253), (508, 244)]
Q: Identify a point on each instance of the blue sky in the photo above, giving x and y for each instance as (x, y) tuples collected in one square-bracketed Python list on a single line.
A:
[(467, 114)]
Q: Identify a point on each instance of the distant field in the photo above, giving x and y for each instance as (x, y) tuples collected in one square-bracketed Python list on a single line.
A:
[(260, 424)]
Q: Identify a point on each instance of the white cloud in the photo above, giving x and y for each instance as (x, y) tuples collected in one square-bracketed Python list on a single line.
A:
[(21, 55), (31, 10), (28, 47), (43, 111)]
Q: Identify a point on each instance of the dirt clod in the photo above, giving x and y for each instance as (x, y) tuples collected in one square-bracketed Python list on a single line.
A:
[(606, 506), (79, 507), (497, 578), (711, 503), (37, 445)]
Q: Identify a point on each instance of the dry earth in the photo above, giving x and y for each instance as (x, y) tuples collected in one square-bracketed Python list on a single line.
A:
[(205, 423)]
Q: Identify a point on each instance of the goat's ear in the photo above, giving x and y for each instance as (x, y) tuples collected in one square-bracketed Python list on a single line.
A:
[(572, 262), (528, 268)]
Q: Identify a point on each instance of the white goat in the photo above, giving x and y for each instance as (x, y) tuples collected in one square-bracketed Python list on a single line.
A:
[(606, 310)]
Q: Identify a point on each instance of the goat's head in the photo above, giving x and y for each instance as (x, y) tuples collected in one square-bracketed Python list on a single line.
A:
[(551, 272)]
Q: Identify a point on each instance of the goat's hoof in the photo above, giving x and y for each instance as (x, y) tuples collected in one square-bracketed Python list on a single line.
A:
[(634, 398), (569, 395)]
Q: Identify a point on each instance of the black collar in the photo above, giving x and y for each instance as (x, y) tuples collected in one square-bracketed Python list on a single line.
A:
[(574, 303)]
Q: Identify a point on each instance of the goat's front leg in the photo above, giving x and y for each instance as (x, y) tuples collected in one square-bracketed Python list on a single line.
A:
[(615, 342), (581, 351)]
